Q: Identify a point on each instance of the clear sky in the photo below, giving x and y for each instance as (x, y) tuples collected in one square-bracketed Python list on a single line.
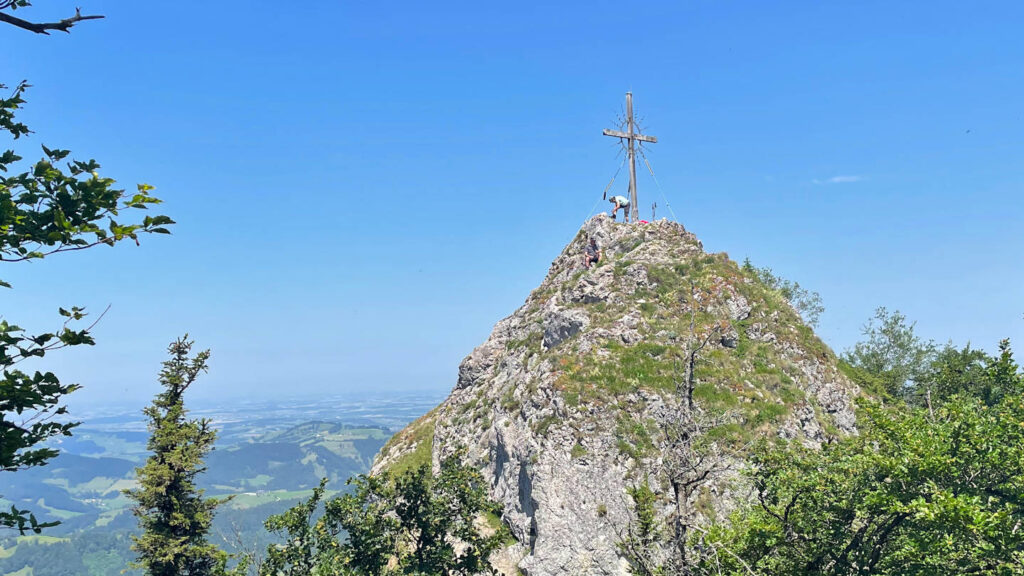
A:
[(364, 188)]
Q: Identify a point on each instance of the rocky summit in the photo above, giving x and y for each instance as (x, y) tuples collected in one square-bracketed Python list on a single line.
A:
[(571, 401)]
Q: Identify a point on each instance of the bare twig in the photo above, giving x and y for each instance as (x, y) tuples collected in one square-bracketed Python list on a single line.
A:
[(64, 25), (56, 344)]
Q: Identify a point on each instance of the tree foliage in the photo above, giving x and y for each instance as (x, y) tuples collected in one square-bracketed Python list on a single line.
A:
[(806, 302), (892, 359), (312, 546), (44, 210), (645, 537), (969, 372), (952, 371), (414, 523), (173, 514), (917, 492), (895, 362)]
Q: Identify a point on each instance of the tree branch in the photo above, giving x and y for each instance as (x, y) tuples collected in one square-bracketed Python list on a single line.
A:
[(719, 546), (883, 538), (45, 27)]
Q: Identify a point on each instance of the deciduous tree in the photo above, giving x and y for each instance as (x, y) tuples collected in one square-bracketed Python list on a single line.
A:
[(311, 539), (892, 358), (46, 209), (807, 303), (916, 492), (414, 523)]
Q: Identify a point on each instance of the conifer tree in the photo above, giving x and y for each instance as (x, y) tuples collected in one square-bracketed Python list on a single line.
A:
[(173, 514)]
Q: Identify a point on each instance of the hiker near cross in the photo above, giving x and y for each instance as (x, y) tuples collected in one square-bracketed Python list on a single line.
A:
[(632, 135)]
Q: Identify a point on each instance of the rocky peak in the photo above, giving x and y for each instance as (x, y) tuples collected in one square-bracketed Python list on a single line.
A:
[(564, 407)]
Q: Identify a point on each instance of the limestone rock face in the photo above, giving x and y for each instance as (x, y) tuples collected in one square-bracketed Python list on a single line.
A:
[(561, 324), (562, 408)]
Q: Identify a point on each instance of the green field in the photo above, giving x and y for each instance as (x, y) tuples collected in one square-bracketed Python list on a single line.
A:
[(265, 472), (248, 500)]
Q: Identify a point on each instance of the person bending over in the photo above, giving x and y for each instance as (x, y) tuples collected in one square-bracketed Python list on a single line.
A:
[(622, 203)]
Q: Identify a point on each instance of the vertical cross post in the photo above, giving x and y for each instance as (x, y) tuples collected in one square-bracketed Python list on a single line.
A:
[(631, 136), (633, 211)]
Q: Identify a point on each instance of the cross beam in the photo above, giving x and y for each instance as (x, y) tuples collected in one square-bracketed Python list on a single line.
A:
[(639, 137), (631, 136)]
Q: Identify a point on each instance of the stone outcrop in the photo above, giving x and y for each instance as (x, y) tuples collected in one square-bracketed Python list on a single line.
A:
[(563, 407)]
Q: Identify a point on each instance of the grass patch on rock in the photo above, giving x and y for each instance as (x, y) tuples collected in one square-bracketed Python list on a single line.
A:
[(419, 436)]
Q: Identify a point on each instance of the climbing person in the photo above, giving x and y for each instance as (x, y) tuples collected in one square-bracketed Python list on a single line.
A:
[(592, 253), (620, 202)]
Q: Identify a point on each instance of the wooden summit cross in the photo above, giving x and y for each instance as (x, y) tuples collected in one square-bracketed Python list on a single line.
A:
[(631, 136)]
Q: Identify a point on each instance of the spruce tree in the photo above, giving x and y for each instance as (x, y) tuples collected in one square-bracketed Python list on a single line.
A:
[(173, 514)]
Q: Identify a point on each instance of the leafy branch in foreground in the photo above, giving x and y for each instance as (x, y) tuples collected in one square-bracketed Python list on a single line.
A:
[(45, 210), (919, 491), (30, 405)]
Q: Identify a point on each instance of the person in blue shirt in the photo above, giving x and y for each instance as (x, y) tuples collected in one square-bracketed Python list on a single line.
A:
[(620, 202)]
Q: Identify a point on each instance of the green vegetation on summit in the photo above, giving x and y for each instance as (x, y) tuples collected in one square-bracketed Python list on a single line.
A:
[(611, 374)]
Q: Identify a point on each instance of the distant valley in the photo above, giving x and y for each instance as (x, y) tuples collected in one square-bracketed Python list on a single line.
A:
[(268, 457)]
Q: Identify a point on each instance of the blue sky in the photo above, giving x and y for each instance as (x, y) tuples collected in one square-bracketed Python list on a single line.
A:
[(363, 189)]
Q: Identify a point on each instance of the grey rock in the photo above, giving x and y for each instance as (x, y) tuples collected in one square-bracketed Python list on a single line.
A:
[(738, 307), (593, 286), (562, 324), (552, 457), (474, 366)]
